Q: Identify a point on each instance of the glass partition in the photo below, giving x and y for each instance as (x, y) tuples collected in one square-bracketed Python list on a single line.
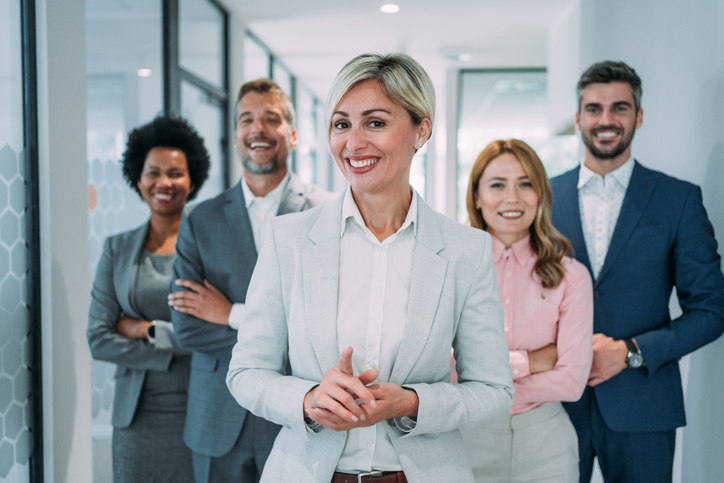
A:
[(16, 371), (256, 59), (124, 90), (206, 114), (503, 104), (201, 40)]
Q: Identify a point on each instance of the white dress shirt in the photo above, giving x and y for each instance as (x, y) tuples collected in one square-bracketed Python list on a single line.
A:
[(374, 285), (600, 199), (260, 209)]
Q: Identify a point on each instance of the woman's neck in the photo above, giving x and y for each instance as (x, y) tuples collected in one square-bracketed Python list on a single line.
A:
[(162, 234), (383, 214)]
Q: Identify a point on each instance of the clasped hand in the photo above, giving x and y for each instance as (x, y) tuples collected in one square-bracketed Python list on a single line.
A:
[(343, 401)]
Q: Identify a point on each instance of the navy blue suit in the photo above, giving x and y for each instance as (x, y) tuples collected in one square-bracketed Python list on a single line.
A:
[(662, 239)]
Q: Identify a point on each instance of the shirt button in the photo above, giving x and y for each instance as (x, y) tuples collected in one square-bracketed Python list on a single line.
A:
[(515, 372), (507, 274), (507, 301), (506, 329)]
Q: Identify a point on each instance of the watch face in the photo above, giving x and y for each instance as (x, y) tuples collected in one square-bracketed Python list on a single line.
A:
[(634, 360)]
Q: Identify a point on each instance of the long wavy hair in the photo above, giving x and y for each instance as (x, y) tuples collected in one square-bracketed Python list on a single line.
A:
[(549, 245)]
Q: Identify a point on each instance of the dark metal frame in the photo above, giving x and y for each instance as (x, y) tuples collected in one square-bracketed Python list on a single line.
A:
[(30, 141), (174, 75)]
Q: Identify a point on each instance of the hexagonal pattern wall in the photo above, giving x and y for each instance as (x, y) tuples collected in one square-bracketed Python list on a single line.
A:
[(15, 373)]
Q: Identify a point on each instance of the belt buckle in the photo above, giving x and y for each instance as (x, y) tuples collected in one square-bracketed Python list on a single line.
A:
[(367, 473)]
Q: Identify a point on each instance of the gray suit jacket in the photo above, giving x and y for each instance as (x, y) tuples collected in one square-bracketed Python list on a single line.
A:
[(216, 243), (111, 297), (292, 318)]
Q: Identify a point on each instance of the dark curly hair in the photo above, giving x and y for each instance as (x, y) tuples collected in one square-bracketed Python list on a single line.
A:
[(167, 132)]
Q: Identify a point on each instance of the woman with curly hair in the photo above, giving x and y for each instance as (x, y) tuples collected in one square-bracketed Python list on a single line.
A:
[(548, 305), (166, 163)]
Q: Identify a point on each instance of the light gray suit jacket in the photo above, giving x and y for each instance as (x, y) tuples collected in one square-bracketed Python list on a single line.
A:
[(216, 243), (292, 317), (112, 296)]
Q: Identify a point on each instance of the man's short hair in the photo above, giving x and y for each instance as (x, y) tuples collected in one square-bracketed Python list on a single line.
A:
[(610, 71), (263, 85)]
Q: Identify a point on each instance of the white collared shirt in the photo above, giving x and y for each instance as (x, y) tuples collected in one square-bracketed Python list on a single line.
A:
[(261, 210), (599, 200), (374, 285)]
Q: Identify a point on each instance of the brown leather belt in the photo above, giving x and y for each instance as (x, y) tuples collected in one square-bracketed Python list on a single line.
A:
[(371, 477)]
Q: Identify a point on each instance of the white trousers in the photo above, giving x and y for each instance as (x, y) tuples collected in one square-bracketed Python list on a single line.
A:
[(536, 446)]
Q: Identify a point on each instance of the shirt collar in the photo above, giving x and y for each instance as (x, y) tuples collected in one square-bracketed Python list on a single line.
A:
[(275, 194), (521, 250), (622, 174), (351, 211)]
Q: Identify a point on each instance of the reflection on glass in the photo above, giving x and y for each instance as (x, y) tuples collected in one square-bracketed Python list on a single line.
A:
[(15, 373), (201, 40), (205, 115), (256, 60), (501, 104)]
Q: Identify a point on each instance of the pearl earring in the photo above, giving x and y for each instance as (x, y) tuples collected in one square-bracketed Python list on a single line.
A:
[(419, 145)]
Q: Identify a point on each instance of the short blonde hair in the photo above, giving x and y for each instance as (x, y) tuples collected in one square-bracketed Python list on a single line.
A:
[(400, 77)]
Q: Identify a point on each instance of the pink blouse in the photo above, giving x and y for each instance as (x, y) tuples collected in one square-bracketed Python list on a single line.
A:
[(537, 316)]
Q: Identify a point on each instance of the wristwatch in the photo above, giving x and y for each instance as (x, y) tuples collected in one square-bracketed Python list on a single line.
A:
[(634, 358)]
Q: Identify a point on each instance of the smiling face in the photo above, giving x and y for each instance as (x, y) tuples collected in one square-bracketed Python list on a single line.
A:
[(373, 139), (608, 119), (507, 199), (165, 183), (263, 137)]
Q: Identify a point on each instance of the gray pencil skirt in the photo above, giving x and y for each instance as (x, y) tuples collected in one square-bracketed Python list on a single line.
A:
[(152, 448)]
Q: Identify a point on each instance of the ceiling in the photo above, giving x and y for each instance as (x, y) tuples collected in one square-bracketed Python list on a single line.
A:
[(315, 38)]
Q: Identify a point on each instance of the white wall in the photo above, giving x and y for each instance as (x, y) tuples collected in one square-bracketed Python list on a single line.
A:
[(678, 50), (63, 236)]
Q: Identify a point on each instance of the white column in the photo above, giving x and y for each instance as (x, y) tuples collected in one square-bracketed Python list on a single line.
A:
[(64, 235)]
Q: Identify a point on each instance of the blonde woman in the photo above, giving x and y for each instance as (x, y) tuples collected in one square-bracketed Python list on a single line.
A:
[(363, 298)]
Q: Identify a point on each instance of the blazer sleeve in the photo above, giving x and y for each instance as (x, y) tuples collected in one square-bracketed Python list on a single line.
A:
[(699, 286), (105, 343), (574, 343), (485, 385), (194, 334), (259, 359)]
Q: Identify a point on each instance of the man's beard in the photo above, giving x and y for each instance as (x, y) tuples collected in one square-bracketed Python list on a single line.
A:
[(611, 152), (267, 168)]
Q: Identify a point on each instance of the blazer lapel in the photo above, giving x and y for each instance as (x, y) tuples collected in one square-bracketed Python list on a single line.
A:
[(239, 225), (128, 263), (320, 269), (293, 199), (634, 204), (426, 283), (570, 222)]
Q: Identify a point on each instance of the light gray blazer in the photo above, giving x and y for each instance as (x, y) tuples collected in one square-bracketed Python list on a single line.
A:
[(112, 296), (292, 316)]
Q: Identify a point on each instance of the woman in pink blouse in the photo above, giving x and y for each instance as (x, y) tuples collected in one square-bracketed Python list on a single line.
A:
[(548, 305)]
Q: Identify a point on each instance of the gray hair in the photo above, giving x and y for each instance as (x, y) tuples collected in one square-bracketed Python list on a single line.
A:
[(400, 77)]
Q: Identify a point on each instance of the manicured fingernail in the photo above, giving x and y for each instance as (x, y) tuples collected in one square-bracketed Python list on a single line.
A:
[(373, 404), (363, 417)]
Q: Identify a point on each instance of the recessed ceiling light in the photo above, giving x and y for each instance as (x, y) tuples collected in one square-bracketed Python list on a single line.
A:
[(390, 8), (465, 57), (143, 72)]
